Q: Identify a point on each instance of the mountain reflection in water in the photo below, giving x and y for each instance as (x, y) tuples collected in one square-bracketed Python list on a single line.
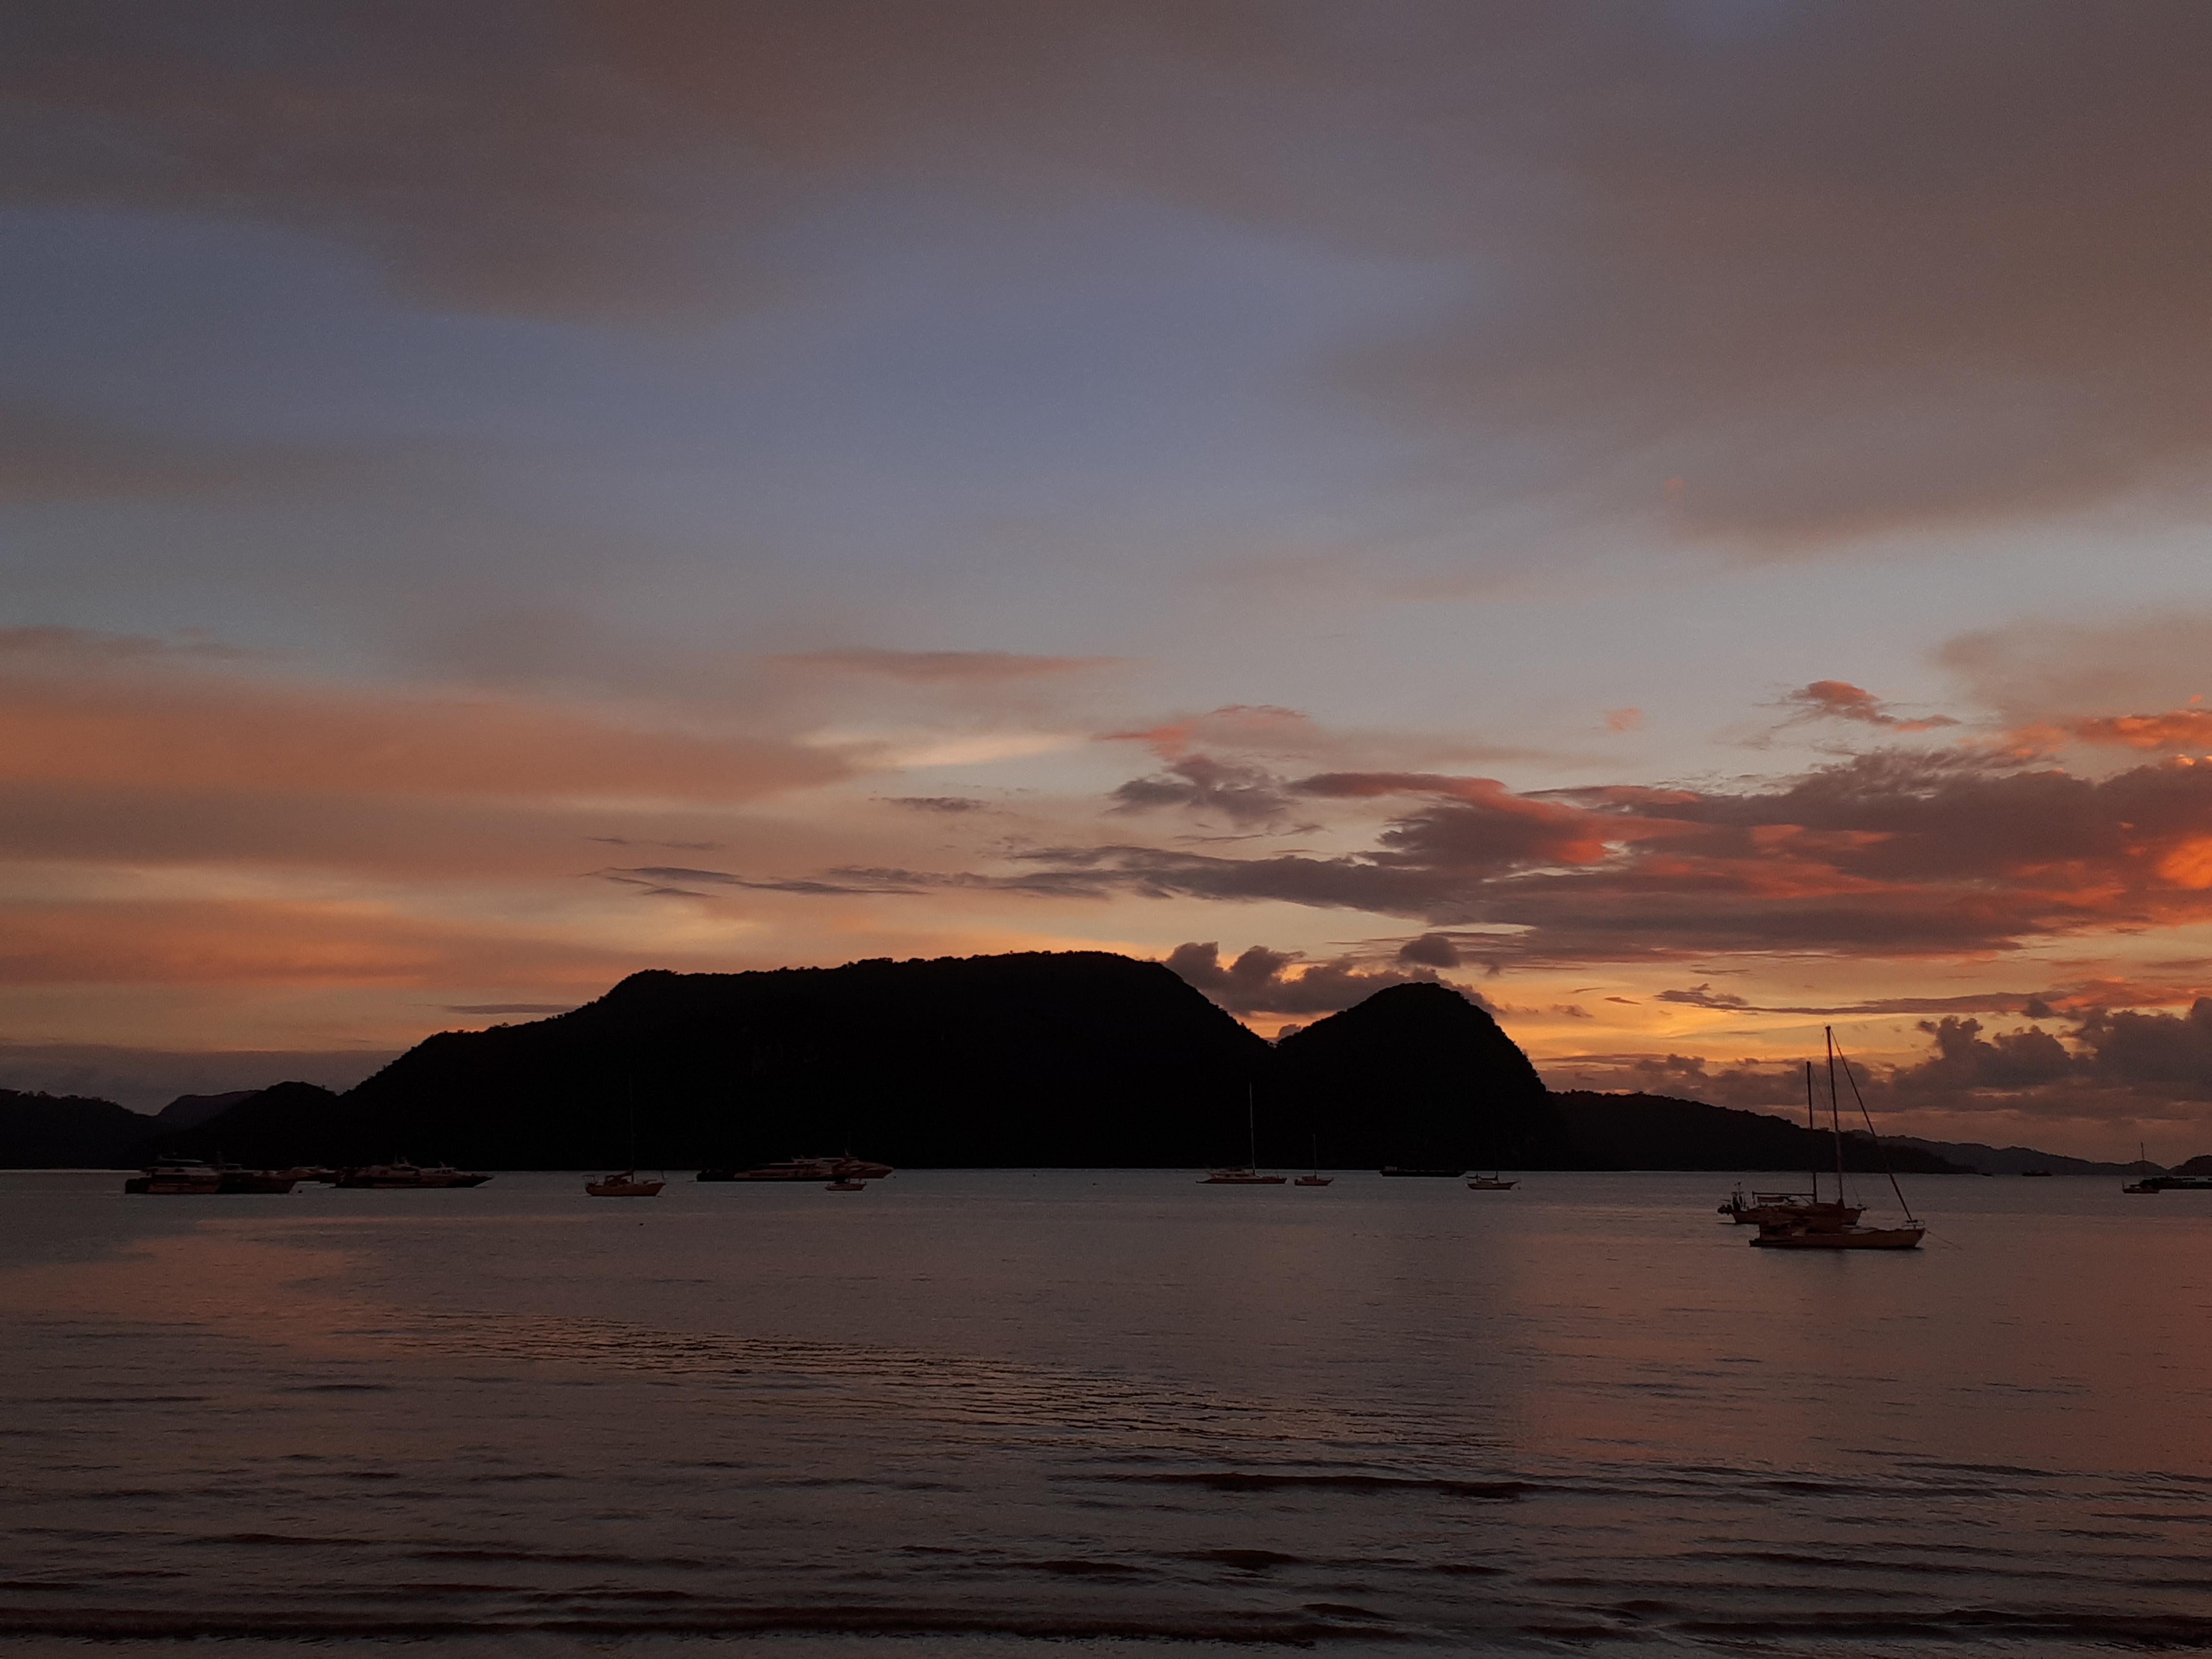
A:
[(1004, 1408)]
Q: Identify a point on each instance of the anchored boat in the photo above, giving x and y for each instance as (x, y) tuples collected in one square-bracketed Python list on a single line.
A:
[(393, 1176), (1815, 1226), (628, 1184), (1250, 1175), (804, 1168)]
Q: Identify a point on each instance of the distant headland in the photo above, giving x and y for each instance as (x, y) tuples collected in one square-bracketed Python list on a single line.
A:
[(1067, 1058)]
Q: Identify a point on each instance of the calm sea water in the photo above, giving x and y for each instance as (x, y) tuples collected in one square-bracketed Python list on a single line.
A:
[(977, 1413)]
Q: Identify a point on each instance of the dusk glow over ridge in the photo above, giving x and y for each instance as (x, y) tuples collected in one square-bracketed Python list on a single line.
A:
[(1685, 520)]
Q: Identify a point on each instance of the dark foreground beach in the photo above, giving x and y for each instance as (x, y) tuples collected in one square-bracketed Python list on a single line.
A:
[(988, 1412)]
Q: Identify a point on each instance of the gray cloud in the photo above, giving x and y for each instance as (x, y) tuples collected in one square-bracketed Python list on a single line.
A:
[(1812, 273), (1891, 854), (666, 880), (1840, 699), (1260, 981), (1430, 950), (942, 804), (1244, 795)]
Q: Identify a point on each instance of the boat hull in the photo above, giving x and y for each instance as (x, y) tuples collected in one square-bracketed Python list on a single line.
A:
[(1240, 1178), (160, 1186), (1841, 1239), (257, 1181)]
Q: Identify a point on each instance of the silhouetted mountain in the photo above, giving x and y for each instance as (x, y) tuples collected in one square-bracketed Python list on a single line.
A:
[(2199, 1165), (1658, 1132), (71, 1132), (285, 1125), (2011, 1160), (186, 1110), (1416, 1076), (1078, 1058)]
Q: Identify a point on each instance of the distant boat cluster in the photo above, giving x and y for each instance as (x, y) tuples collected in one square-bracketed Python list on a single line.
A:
[(191, 1176)]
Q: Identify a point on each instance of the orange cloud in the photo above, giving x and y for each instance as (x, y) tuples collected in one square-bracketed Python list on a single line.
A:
[(2184, 728), (296, 944), (2190, 864), (205, 733)]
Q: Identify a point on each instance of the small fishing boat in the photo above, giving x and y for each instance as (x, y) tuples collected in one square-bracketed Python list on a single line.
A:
[(1491, 1183), (628, 1184), (1816, 1227), (1250, 1175)]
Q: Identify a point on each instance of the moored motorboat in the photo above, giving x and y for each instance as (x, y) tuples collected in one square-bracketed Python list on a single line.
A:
[(1316, 1179), (176, 1177), (1491, 1183), (402, 1175), (173, 1178), (804, 1169), (628, 1184), (1763, 1209)]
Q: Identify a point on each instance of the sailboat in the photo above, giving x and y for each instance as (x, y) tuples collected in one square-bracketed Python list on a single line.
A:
[(1761, 1209), (1250, 1175), (629, 1183), (1817, 1227), (1316, 1179)]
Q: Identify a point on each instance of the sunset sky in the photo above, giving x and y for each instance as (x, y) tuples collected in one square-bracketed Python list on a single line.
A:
[(1685, 518)]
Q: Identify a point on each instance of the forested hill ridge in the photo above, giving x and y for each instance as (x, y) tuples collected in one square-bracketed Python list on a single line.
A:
[(1658, 1132), (1031, 1060)]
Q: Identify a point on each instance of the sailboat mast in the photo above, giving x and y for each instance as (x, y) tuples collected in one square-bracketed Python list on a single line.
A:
[(1835, 1112), (1887, 1167), (1813, 1132)]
